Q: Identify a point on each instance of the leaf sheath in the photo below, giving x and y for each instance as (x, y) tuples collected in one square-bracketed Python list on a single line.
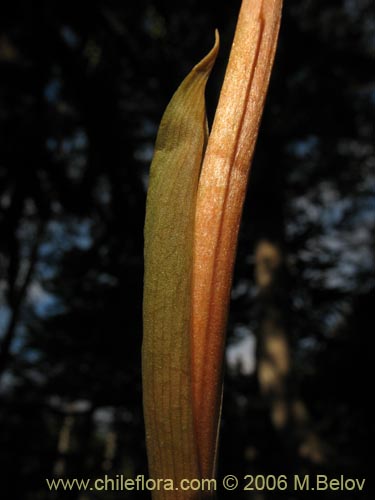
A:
[(221, 193)]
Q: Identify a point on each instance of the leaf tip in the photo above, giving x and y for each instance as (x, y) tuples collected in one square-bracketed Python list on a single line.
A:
[(206, 64)]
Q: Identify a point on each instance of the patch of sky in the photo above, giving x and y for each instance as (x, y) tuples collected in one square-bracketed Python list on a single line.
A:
[(19, 338), (355, 148), (240, 289), (5, 313), (5, 199), (107, 279), (147, 129), (61, 237), (69, 36), (52, 144), (353, 7), (102, 190), (334, 316), (145, 152), (308, 343), (145, 178), (344, 256), (336, 213), (302, 148), (77, 142), (65, 235), (52, 90), (44, 303), (322, 207), (8, 381), (365, 215), (241, 352)]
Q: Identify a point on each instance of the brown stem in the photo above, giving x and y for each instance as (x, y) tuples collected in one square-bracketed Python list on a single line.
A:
[(221, 193)]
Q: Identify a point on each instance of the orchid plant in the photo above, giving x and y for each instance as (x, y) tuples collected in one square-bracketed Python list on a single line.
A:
[(196, 192)]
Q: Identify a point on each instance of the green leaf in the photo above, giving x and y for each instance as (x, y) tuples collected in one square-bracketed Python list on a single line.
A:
[(170, 213)]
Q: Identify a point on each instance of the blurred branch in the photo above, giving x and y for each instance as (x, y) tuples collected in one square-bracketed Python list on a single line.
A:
[(18, 301)]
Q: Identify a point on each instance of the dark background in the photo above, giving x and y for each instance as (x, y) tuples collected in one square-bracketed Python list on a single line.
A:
[(83, 87)]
